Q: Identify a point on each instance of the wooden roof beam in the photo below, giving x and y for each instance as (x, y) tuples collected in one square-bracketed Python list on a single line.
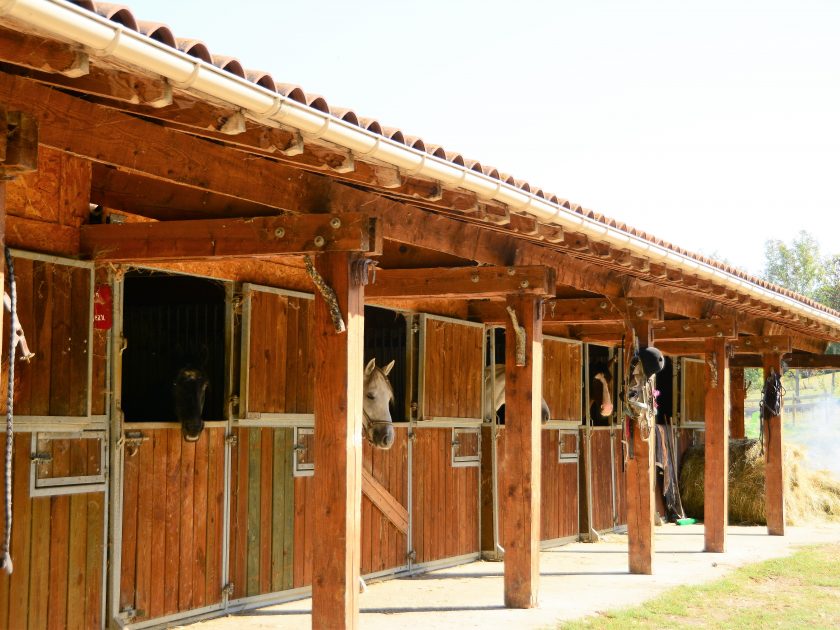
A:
[(763, 344), (581, 311), (462, 282), (45, 55), (166, 241), (684, 329)]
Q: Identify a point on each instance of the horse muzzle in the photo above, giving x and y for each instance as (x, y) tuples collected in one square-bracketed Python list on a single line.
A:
[(382, 435)]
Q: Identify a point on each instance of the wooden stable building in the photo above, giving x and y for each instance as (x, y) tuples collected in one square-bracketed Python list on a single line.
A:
[(163, 205)]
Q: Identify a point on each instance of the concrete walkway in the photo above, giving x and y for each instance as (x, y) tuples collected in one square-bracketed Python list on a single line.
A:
[(576, 580)]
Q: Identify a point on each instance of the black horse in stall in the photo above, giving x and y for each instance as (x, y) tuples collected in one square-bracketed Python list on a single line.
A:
[(189, 390)]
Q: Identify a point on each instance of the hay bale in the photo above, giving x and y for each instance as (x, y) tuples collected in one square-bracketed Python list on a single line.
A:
[(809, 494)]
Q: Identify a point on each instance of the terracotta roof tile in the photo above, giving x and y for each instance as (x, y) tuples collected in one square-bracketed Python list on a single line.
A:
[(160, 32)]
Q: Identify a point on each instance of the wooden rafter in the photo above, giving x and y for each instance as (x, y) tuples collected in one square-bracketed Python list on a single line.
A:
[(230, 238), (115, 85), (37, 53), (462, 282)]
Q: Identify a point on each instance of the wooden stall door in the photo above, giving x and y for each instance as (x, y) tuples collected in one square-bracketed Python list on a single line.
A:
[(563, 392), (271, 510), (172, 523), (445, 496), (58, 530), (451, 370)]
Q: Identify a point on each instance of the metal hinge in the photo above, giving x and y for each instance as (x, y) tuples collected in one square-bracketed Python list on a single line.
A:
[(227, 589), (232, 439), (415, 326), (412, 435), (411, 555)]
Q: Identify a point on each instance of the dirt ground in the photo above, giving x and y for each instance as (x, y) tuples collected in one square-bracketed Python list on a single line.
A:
[(576, 580)]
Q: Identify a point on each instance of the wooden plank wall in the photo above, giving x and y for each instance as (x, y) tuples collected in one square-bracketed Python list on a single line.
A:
[(46, 208), (280, 361), (694, 392), (453, 370), (173, 505), (602, 481), (57, 548), (383, 546), (264, 536), (445, 499), (559, 511), (53, 307), (562, 379)]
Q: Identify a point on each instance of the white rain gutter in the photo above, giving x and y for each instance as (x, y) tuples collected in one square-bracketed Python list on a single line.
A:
[(103, 37)]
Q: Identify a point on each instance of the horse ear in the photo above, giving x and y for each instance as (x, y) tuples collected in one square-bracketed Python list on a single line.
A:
[(387, 369), (370, 366), (612, 361)]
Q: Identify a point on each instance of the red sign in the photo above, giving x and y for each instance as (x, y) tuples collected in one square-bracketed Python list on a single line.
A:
[(103, 311)]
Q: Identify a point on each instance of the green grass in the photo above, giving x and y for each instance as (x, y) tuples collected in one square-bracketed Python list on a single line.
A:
[(800, 591)]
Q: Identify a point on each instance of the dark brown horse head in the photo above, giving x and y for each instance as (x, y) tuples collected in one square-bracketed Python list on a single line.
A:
[(600, 386), (378, 396), (189, 390)]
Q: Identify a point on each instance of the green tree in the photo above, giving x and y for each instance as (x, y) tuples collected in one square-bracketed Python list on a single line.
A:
[(829, 292), (798, 266)]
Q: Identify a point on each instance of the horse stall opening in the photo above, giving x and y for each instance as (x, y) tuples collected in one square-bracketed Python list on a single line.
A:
[(560, 454), (602, 483), (271, 506), (60, 450), (446, 447), (170, 521)]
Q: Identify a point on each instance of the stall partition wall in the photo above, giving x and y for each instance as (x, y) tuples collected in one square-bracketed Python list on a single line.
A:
[(60, 450)]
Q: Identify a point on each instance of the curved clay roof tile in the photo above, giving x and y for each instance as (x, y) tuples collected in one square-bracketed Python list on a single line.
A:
[(492, 172), (85, 4), (229, 64), (194, 48), (316, 101), (158, 32), (394, 134), (415, 143), (117, 13), (261, 78), (292, 92), (372, 125), (347, 115)]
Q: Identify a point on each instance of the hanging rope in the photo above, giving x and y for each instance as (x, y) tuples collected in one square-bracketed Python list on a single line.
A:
[(5, 555), (327, 293)]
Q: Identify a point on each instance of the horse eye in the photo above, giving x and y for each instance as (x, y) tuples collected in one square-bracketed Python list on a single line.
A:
[(371, 396)]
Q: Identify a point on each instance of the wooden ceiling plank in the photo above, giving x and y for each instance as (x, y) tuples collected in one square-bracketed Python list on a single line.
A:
[(160, 241), (461, 282)]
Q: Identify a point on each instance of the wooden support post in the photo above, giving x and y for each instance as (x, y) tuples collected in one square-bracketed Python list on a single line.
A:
[(737, 395), (338, 449), (716, 471), (521, 469), (640, 485), (774, 481)]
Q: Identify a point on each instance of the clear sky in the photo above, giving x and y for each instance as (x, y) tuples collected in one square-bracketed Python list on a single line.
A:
[(714, 125)]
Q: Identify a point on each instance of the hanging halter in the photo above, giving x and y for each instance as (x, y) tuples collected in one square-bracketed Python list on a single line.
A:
[(5, 553)]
